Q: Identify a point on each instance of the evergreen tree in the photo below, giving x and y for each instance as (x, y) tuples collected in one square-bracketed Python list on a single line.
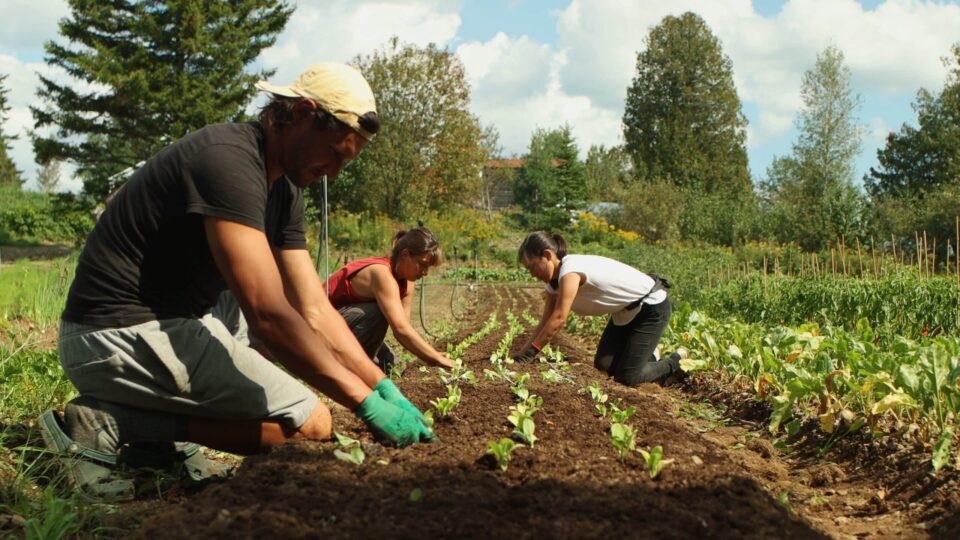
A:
[(812, 191), (429, 154), (683, 118), (9, 175), (145, 73), (918, 161), (551, 182)]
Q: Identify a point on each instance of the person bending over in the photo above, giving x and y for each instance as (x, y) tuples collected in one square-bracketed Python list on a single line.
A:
[(220, 208), (374, 293), (593, 285)]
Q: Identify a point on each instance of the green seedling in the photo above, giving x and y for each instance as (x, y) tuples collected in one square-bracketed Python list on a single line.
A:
[(524, 426), (445, 405), (500, 372), (624, 439), (458, 373), (654, 460), (554, 376), (596, 393), (519, 388), (501, 451), (349, 450), (619, 416)]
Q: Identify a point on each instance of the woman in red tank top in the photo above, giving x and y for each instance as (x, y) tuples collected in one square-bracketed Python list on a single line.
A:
[(374, 293)]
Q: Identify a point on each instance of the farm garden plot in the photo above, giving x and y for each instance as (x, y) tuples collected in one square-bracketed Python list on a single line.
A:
[(547, 449)]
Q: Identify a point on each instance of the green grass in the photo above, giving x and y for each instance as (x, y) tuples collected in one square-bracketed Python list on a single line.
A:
[(35, 291)]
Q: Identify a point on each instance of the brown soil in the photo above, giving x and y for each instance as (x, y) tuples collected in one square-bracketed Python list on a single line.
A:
[(727, 480)]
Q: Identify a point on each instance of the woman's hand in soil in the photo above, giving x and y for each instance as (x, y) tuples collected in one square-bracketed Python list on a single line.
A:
[(443, 361), (392, 423)]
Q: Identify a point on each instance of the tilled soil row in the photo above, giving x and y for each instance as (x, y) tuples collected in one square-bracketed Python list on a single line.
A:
[(571, 484)]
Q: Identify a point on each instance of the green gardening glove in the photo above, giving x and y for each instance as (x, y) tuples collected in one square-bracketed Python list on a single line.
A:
[(391, 423), (392, 394)]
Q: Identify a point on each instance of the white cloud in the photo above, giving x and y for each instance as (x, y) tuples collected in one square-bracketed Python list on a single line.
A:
[(502, 70), (342, 29), (517, 88), (26, 24), (895, 48)]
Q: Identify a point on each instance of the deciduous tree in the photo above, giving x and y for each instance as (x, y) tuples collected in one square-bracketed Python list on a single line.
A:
[(812, 190), (429, 152)]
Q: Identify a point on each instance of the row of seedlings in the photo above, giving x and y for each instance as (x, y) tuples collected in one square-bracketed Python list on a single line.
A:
[(520, 415), (444, 405), (623, 436)]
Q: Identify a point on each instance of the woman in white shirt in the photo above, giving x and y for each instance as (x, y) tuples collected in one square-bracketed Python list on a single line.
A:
[(592, 285)]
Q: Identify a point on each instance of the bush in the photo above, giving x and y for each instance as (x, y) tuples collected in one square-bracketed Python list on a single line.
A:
[(42, 218)]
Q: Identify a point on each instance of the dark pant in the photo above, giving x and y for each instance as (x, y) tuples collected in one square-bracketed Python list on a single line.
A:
[(626, 352), (368, 324)]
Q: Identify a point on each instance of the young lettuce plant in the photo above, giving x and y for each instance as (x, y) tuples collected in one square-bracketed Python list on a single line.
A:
[(620, 416), (445, 405), (519, 388), (624, 439), (348, 449), (501, 451), (598, 396), (457, 373), (524, 427), (654, 460)]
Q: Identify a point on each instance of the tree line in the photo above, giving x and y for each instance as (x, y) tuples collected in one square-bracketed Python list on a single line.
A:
[(146, 73)]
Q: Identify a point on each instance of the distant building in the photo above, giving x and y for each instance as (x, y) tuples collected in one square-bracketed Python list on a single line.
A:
[(502, 175)]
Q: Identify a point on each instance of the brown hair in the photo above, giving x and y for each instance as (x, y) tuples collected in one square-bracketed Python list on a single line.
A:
[(534, 244), (417, 242), (279, 113)]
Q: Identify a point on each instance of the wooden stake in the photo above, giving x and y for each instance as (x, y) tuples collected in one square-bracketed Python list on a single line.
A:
[(916, 239), (859, 259)]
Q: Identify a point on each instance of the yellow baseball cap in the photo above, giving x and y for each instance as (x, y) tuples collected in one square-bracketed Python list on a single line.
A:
[(337, 88)]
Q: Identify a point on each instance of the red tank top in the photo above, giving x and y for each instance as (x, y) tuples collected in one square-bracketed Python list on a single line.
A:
[(341, 290)]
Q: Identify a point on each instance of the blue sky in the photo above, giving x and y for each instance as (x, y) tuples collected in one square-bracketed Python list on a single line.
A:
[(542, 63)]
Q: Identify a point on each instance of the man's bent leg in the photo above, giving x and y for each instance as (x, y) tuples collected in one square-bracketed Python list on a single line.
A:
[(254, 436)]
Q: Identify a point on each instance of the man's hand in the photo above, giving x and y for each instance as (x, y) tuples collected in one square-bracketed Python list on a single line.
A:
[(527, 355), (392, 423), (392, 395)]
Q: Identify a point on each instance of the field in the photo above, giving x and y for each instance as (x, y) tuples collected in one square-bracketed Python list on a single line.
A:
[(724, 475), (816, 430)]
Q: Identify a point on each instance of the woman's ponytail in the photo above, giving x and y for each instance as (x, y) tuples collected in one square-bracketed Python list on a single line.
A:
[(534, 244)]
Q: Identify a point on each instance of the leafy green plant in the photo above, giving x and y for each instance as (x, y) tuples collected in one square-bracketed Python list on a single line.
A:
[(348, 449), (524, 427), (445, 405), (654, 460), (501, 451), (519, 389), (624, 439), (457, 373)]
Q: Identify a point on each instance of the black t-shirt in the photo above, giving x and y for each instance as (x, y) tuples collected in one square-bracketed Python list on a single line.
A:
[(148, 257)]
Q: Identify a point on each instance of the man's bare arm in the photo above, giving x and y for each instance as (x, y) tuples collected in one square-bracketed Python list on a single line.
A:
[(244, 258), (304, 290)]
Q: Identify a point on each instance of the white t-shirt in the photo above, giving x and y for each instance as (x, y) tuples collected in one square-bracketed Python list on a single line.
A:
[(608, 288)]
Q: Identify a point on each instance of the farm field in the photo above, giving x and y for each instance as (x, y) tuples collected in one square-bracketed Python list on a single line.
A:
[(721, 476)]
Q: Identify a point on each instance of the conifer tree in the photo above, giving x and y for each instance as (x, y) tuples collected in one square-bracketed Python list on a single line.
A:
[(145, 73)]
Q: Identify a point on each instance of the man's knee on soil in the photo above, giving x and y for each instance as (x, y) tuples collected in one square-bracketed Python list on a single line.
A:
[(319, 426)]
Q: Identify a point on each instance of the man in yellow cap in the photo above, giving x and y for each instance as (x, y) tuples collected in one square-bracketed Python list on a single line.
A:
[(220, 209)]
